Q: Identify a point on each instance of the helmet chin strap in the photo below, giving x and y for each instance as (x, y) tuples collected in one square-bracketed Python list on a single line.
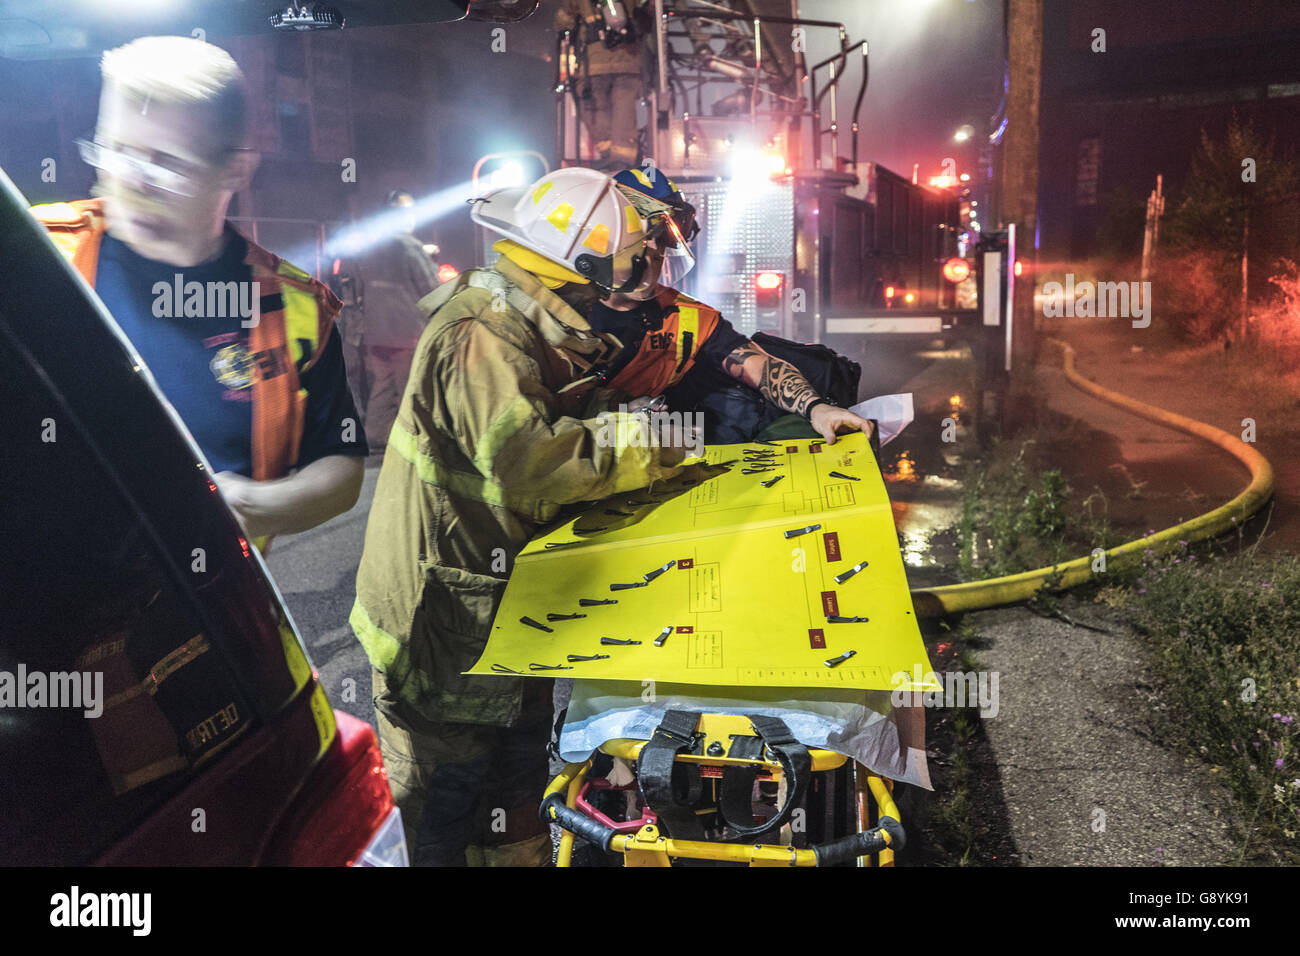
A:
[(639, 263)]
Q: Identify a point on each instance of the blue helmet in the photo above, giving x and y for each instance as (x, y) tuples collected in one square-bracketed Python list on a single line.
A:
[(649, 181)]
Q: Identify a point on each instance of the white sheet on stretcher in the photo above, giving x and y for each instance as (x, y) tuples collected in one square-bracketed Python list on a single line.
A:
[(859, 724)]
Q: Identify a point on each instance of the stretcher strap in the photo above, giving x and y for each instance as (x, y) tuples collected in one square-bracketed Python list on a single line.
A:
[(737, 803), (671, 789)]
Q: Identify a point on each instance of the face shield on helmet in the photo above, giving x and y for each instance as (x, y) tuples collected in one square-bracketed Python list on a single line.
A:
[(678, 260), (672, 225)]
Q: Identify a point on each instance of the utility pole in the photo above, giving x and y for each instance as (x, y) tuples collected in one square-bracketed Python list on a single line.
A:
[(1245, 272), (1019, 169), (1151, 237)]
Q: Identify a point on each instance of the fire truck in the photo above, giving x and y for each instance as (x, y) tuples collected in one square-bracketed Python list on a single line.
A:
[(800, 236)]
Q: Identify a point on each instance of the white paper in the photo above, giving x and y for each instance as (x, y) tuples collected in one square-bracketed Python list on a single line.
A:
[(892, 413)]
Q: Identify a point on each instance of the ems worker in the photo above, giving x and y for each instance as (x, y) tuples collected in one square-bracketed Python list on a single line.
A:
[(238, 340), (497, 430), (610, 62), (665, 332)]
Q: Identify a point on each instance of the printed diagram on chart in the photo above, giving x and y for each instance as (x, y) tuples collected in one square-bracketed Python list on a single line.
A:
[(766, 564)]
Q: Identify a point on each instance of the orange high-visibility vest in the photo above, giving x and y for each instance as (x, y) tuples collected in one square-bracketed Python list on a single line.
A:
[(667, 354), (295, 318)]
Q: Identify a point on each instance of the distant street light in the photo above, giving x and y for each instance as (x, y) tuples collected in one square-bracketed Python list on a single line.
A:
[(964, 133)]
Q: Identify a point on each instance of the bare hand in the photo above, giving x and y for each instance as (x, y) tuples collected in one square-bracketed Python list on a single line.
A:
[(828, 419), (240, 493)]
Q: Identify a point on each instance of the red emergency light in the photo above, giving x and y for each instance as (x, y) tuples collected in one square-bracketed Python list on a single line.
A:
[(767, 290), (447, 272), (956, 269)]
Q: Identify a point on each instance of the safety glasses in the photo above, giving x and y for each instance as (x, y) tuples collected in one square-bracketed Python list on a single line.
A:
[(157, 177)]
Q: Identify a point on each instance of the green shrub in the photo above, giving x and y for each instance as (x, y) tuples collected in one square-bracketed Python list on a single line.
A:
[(1225, 641)]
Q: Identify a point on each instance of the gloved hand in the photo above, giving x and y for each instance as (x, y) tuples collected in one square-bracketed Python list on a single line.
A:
[(645, 403)]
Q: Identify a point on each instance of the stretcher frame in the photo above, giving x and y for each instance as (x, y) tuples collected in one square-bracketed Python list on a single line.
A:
[(649, 846)]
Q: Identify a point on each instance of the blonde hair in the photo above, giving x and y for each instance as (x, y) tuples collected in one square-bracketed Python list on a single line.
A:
[(183, 71)]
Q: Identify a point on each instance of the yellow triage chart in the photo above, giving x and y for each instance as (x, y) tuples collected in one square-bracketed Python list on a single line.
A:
[(747, 605)]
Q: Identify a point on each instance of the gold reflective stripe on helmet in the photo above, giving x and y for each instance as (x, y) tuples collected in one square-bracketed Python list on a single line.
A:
[(598, 241), (559, 217)]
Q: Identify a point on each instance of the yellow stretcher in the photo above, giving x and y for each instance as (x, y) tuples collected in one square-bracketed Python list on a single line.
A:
[(857, 801), (768, 564)]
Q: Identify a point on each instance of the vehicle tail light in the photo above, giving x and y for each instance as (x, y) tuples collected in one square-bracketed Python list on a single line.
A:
[(956, 269), (388, 848), (350, 818), (767, 290)]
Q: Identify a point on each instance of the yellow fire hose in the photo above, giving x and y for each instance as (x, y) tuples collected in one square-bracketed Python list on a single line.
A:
[(976, 595)]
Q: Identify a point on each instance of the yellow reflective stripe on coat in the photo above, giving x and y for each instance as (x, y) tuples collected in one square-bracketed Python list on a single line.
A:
[(433, 472), (384, 651), (688, 322), (515, 416), (381, 647), (301, 321)]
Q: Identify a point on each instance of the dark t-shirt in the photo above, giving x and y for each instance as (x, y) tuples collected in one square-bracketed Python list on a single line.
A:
[(203, 365), (631, 327)]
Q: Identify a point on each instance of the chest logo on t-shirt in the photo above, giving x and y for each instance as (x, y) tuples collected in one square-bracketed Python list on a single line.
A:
[(233, 366), (661, 340)]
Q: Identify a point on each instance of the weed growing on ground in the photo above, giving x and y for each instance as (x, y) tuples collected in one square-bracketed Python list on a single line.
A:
[(1223, 638), (1017, 518)]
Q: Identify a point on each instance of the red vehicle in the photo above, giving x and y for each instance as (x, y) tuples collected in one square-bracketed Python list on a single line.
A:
[(157, 705)]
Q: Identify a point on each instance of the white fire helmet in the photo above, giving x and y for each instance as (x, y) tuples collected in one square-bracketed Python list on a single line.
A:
[(580, 219)]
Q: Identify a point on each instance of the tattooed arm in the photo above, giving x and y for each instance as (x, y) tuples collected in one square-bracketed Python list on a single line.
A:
[(779, 382), (785, 387)]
